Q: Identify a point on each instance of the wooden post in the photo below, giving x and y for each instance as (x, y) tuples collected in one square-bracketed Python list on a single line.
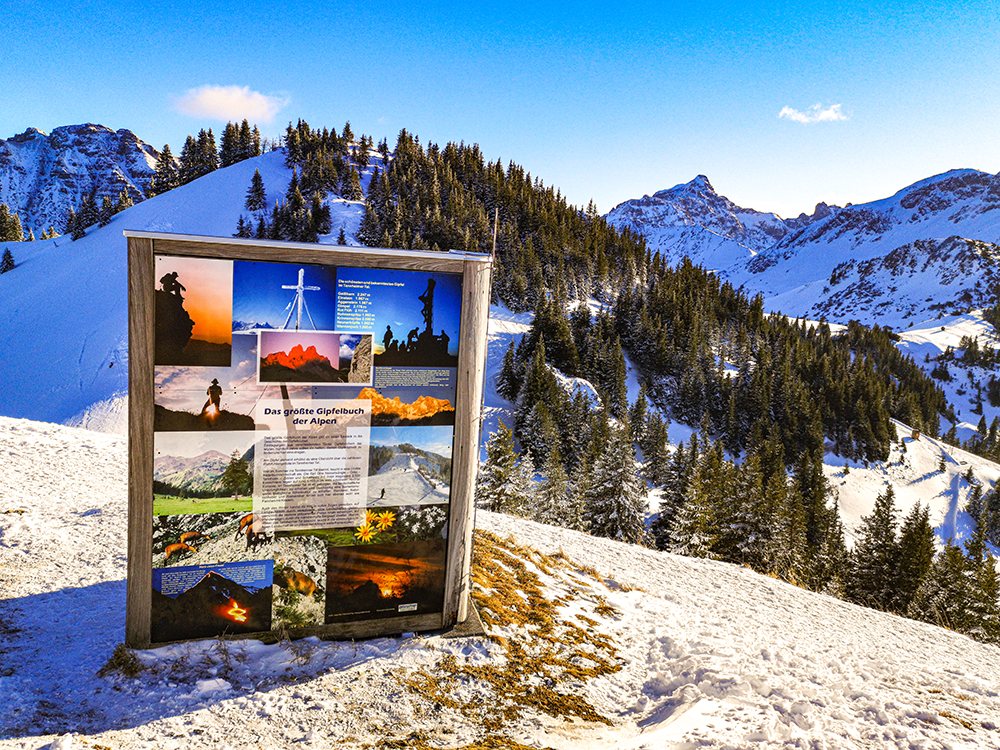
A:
[(465, 459), (140, 437)]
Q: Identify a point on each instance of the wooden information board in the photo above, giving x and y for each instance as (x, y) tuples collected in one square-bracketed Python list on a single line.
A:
[(303, 437)]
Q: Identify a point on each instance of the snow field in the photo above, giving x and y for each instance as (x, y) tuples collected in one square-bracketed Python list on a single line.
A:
[(705, 654)]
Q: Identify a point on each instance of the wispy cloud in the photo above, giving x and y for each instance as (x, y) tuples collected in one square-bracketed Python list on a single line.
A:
[(229, 103), (816, 113)]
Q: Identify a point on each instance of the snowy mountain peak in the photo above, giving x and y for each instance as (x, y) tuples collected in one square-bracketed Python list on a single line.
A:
[(697, 186), (42, 176), (691, 219)]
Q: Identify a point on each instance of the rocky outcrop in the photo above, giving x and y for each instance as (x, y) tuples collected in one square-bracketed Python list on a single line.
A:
[(42, 176)]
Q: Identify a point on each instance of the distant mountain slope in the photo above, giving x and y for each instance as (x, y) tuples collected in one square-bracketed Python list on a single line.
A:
[(910, 238), (196, 473), (42, 176), (693, 220)]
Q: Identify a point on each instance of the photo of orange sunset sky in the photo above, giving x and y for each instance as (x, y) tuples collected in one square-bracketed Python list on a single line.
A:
[(208, 294)]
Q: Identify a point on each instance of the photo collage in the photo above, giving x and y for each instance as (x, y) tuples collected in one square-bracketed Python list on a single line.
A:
[(303, 430)]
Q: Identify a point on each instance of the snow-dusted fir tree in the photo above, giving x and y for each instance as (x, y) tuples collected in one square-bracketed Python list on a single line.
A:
[(556, 500), (695, 529), (875, 558), (504, 486), (615, 496)]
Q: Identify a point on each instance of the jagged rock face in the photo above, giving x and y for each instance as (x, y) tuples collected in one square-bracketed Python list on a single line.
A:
[(688, 218), (297, 357), (361, 362), (42, 176), (960, 273), (896, 257)]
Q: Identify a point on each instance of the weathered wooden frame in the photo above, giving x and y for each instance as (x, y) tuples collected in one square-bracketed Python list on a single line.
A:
[(475, 269)]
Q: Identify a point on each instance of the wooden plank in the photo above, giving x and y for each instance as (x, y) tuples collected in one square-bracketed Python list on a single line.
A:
[(346, 630), (318, 254), (465, 457), (239, 243), (140, 431)]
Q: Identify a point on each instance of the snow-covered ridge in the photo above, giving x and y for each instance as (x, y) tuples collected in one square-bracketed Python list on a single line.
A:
[(42, 176), (65, 307), (790, 261)]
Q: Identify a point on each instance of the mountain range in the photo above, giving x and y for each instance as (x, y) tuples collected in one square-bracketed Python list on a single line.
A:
[(197, 473), (931, 247), (43, 176)]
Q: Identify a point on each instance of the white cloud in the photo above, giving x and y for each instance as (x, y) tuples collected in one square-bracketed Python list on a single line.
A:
[(229, 103), (815, 113)]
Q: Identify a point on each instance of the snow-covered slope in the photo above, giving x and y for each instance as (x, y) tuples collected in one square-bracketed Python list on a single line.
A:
[(697, 653), (63, 345), (43, 176), (407, 475)]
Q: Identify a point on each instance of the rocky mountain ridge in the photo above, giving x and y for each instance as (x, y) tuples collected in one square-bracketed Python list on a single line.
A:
[(43, 175), (794, 262)]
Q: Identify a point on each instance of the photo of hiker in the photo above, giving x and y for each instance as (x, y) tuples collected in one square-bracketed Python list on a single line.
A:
[(286, 296), (189, 399), (409, 466), (413, 315), (193, 311)]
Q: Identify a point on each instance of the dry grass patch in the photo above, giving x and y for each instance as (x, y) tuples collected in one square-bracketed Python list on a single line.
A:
[(539, 657)]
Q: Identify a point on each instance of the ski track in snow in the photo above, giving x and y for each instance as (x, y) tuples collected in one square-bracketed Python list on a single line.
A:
[(714, 655)]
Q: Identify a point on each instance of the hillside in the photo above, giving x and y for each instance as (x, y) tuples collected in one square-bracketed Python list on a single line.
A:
[(678, 652), (68, 362)]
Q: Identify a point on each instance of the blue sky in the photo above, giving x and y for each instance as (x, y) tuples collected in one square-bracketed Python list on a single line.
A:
[(604, 101)]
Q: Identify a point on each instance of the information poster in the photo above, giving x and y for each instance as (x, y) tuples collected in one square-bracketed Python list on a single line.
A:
[(304, 427)]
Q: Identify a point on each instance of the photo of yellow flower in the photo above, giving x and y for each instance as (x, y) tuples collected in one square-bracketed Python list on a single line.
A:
[(364, 533), (385, 520)]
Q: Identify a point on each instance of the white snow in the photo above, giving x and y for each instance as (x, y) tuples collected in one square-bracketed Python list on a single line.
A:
[(64, 342), (712, 655)]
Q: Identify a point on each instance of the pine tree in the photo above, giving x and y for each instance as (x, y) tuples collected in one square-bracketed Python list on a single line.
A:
[(915, 557), (124, 201), (107, 211), (7, 263), (350, 186), (615, 496), (499, 487), (256, 201), (985, 595), (229, 146), (695, 529), (945, 597), (341, 237), (243, 229), (874, 560), (556, 501), (166, 176), (236, 479)]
